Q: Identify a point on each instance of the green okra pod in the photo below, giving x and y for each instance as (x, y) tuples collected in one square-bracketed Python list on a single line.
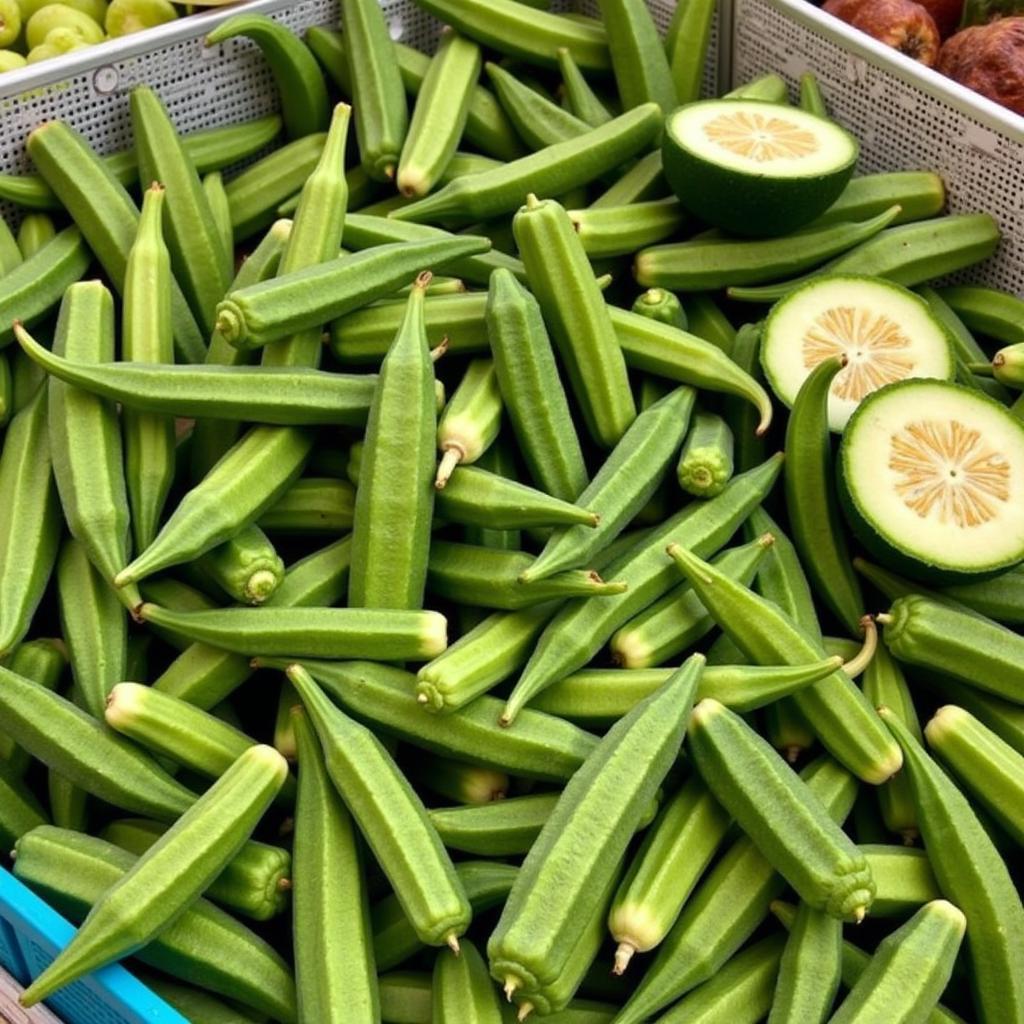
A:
[(659, 304), (146, 337), (500, 828), (84, 436), (580, 323), (246, 567), (644, 180), (30, 519), (335, 969), (391, 818), (306, 298), (538, 121), (768, 635), (524, 364), (312, 505), (462, 989), (623, 485), (382, 116), (903, 876), (172, 873), (686, 43), (579, 96), (641, 68), (310, 632), (607, 231), (554, 170), (470, 421), (205, 945), (300, 86), (439, 116), (991, 312), (810, 969), (394, 499), (918, 194), (20, 811), (534, 937), (969, 870), (220, 208), (705, 463), (42, 662)]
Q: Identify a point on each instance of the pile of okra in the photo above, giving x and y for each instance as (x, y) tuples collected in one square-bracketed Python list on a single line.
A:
[(408, 614)]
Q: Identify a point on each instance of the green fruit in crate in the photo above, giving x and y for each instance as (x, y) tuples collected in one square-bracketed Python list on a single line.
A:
[(932, 479), (753, 168), (96, 9), (10, 24), (64, 40), (127, 16), (11, 61), (52, 16)]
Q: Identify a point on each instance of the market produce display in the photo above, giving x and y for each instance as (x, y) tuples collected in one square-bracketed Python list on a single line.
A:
[(531, 543)]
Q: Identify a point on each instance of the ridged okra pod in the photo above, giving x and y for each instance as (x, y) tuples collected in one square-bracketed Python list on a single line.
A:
[(810, 969), (246, 567), (171, 874), (395, 496), (470, 421), (576, 855), (572, 303), (462, 988), (524, 364), (334, 960), (835, 708), (378, 97), (146, 337), (391, 817), (641, 67), (84, 437)]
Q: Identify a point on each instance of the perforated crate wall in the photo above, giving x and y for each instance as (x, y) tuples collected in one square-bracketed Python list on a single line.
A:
[(907, 117)]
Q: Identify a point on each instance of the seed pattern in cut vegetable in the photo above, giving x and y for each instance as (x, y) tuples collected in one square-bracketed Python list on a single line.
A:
[(870, 341), (760, 138), (949, 472)]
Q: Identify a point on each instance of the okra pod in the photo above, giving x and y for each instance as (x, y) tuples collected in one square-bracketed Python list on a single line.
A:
[(663, 306), (20, 811), (686, 43), (903, 876), (470, 421), (312, 505), (918, 194), (579, 96), (607, 231), (500, 828), (991, 312), (810, 969), (644, 180), (538, 121), (705, 463)]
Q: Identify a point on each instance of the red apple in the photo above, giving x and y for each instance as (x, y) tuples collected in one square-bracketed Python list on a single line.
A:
[(902, 24), (989, 59)]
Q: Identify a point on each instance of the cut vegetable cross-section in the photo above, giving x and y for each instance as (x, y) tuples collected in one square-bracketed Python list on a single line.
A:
[(886, 333), (932, 479)]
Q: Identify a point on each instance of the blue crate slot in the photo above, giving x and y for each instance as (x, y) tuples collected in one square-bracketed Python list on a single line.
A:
[(31, 933)]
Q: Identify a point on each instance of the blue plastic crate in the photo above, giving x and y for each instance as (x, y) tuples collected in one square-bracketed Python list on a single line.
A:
[(31, 933)]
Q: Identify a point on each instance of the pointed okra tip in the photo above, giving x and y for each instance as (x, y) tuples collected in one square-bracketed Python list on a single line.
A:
[(689, 564)]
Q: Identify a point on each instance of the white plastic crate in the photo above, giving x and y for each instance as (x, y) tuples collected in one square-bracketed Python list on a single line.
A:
[(906, 116)]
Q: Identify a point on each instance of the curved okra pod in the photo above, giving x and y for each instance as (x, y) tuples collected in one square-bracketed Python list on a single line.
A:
[(146, 337), (708, 262), (991, 770), (493, 578), (538, 121), (106, 215), (300, 86), (590, 828), (885, 685), (171, 874), (256, 882), (812, 502), (334, 954), (686, 43), (306, 298), (574, 308), (75, 744), (391, 817), (835, 708), (246, 567), (664, 351), (909, 971), (520, 31), (909, 254), (524, 364), (642, 71), (43, 662), (677, 621), (205, 945), (310, 632), (579, 629), (30, 519), (989, 311), (540, 747), (84, 437), (246, 482), (810, 969), (664, 871), (778, 811), (922, 631), (730, 902), (486, 882), (34, 287), (579, 96), (918, 194), (394, 500), (439, 116), (315, 236), (94, 625), (382, 116), (969, 870), (462, 989), (554, 170), (705, 463), (623, 485), (470, 421), (201, 265)]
